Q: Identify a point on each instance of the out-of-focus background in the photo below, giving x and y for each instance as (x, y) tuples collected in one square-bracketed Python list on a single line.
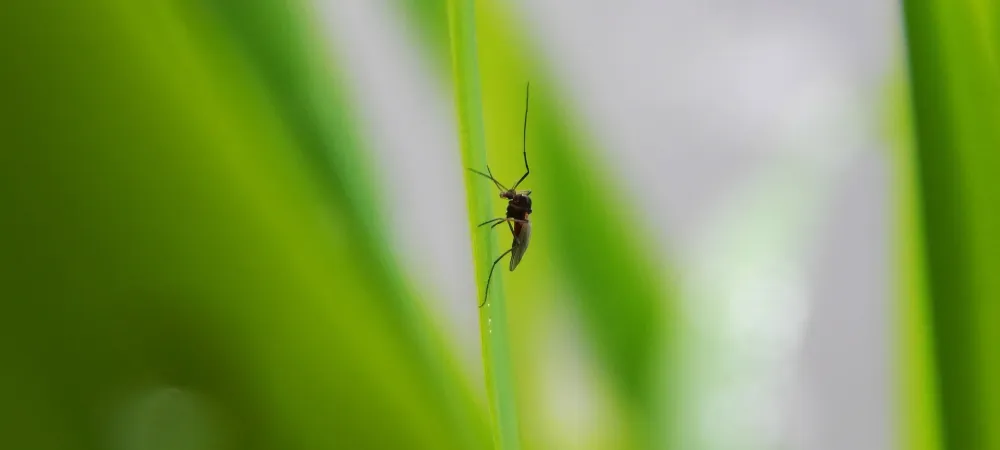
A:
[(246, 225)]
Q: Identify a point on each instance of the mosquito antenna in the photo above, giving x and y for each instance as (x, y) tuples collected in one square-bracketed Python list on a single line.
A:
[(494, 180), (500, 185), (524, 136)]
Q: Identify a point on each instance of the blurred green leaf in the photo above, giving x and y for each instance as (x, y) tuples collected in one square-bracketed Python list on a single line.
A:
[(166, 237), (919, 427), (955, 80), (277, 41)]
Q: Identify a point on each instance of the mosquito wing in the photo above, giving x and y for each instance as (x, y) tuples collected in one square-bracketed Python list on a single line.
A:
[(520, 245)]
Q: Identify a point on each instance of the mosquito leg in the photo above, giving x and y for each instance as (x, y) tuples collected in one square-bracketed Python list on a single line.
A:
[(508, 220), (498, 220), (490, 277), (524, 136)]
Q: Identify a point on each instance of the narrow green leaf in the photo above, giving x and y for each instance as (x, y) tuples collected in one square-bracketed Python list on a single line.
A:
[(919, 424), (492, 316), (953, 57)]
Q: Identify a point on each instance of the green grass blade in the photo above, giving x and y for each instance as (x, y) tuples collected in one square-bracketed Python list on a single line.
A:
[(492, 316), (919, 425), (955, 78)]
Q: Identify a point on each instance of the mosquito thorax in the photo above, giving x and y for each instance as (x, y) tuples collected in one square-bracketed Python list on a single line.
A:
[(524, 200), (518, 205)]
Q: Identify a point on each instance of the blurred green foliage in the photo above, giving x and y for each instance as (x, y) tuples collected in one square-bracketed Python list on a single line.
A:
[(185, 225), (955, 81), (919, 423)]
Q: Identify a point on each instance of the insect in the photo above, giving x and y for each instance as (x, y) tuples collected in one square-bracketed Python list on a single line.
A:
[(518, 208)]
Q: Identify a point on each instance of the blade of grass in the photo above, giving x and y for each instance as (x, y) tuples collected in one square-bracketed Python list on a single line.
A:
[(919, 425), (955, 86), (492, 316)]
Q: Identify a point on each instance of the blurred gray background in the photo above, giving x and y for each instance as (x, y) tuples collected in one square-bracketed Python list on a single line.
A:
[(749, 133)]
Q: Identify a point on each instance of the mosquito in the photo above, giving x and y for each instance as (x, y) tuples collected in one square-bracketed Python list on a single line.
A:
[(518, 207)]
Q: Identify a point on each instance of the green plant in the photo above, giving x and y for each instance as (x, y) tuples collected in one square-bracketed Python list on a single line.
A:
[(955, 86), (492, 317), (188, 211)]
